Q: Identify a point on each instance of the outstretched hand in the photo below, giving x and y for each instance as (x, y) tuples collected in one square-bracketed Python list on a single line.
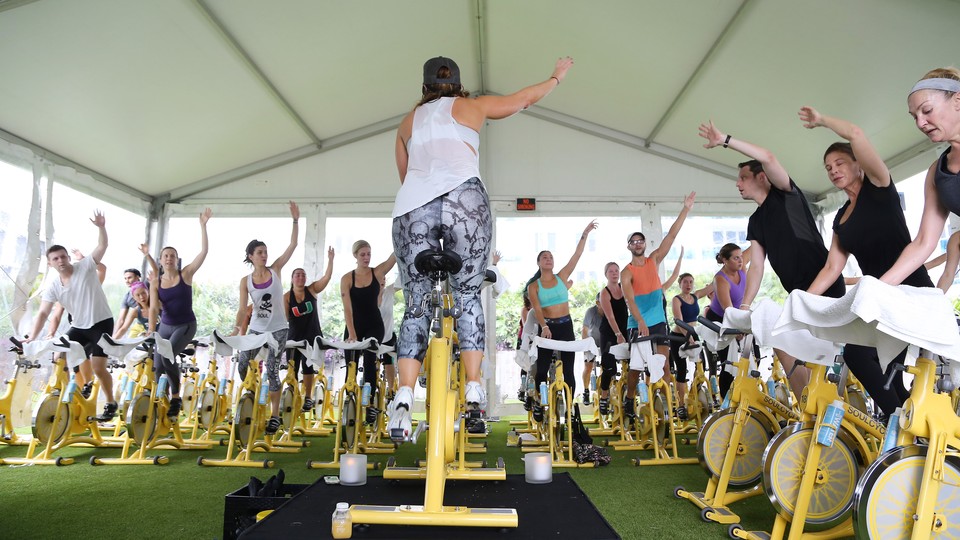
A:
[(590, 227), (563, 65), (810, 117), (77, 254), (145, 249), (330, 253), (98, 219), (496, 257), (205, 216), (713, 135), (294, 210), (689, 200)]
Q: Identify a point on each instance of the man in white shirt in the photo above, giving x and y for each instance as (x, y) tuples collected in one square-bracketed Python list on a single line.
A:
[(78, 289)]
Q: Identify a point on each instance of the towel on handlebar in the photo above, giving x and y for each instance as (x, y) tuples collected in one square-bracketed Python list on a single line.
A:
[(226, 345), (799, 343), (529, 331), (364, 345), (75, 353), (640, 355), (875, 314), (499, 285), (123, 345), (586, 344)]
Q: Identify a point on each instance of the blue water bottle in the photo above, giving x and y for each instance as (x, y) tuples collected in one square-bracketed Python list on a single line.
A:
[(726, 401), (365, 395), (714, 386), (264, 389), (523, 382), (71, 388), (830, 424), (772, 388), (162, 385), (128, 390), (593, 382), (643, 393), (893, 431), (223, 387), (543, 393)]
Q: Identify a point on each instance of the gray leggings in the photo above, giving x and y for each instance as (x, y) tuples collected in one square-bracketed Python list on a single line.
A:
[(273, 359), (179, 336), (461, 218)]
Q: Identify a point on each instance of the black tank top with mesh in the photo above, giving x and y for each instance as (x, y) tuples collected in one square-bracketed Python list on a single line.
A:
[(366, 311)]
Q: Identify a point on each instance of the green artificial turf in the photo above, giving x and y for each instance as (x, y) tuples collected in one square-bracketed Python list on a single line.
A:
[(183, 500)]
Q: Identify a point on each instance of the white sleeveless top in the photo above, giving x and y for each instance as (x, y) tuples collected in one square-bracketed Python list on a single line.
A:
[(439, 159), (268, 315)]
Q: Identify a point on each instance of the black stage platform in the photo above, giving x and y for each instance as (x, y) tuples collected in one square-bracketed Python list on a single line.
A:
[(555, 510)]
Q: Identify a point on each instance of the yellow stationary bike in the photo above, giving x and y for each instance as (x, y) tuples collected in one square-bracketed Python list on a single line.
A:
[(443, 416), (732, 441), (22, 365)]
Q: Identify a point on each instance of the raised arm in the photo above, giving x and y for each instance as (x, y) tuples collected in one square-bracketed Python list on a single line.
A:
[(676, 272), (294, 232), (863, 149), (771, 166), (190, 269), (836, 260), (931, 227), (101, 223), (565, 272), (665, 245), (324, 280), (758, 258), (497, 107), (383, 268)]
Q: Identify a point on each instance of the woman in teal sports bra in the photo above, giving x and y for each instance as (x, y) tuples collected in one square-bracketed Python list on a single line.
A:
[(549, 300)]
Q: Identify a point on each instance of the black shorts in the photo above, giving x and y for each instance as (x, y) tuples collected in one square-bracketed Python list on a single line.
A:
[(659, 329), (88, 337)]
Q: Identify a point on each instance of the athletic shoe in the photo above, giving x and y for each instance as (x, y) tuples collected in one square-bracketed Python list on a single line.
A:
[(682, 412), (372, 413), (527, 403), (175, 405), (273, 425), (476, 426), (522, 394), (475, 396), (308, 405), (86, 390), (604, 406), (538, 412), (109, 411), (586, 397), (628, 411), (400, 425)]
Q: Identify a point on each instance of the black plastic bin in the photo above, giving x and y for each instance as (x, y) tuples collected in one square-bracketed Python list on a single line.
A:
[(240, 509)]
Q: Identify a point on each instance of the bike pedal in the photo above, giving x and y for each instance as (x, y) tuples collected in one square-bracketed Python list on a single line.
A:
[(399, 435)]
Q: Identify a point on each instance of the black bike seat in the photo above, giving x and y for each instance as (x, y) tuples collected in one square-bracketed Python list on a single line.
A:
[(431, 260)]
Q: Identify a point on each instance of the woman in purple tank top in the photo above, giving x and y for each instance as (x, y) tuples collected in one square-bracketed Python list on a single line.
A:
[(173, 289), (729, 284)]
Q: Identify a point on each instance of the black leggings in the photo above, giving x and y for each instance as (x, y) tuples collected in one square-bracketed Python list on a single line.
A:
[(561, 329), (724, 378), (608, 363), (865, 365), (679, 363)]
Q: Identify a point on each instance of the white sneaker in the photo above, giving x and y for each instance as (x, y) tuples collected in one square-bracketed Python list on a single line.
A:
[(475, 395), (400, 425)]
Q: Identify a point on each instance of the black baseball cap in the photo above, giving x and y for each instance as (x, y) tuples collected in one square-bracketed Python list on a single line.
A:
[(431, 66)]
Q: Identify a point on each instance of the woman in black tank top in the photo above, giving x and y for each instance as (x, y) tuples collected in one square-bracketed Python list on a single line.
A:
[(360, 292), (871, 227), (303, 310), (613, 326), (935, 105)]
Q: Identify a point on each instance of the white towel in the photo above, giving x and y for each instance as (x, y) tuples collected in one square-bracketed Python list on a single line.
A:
[(500, 285), (641, 355), (877, 315), (123, 345), (226, 345), (364, 345), (586, 344), (798, 343), (75, 353), (529, 331)]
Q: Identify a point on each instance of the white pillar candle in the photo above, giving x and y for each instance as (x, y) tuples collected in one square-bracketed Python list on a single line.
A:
[(539, 468), (353, 469)]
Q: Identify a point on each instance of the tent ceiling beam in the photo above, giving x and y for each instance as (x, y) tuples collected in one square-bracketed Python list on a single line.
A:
[(12, 4), (696, 73), (258, 73)]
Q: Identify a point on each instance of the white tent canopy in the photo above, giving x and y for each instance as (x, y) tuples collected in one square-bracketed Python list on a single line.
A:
[(231, 101)]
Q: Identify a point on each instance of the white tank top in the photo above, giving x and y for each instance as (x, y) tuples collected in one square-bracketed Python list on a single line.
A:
[(439, 159), (268, 315)]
